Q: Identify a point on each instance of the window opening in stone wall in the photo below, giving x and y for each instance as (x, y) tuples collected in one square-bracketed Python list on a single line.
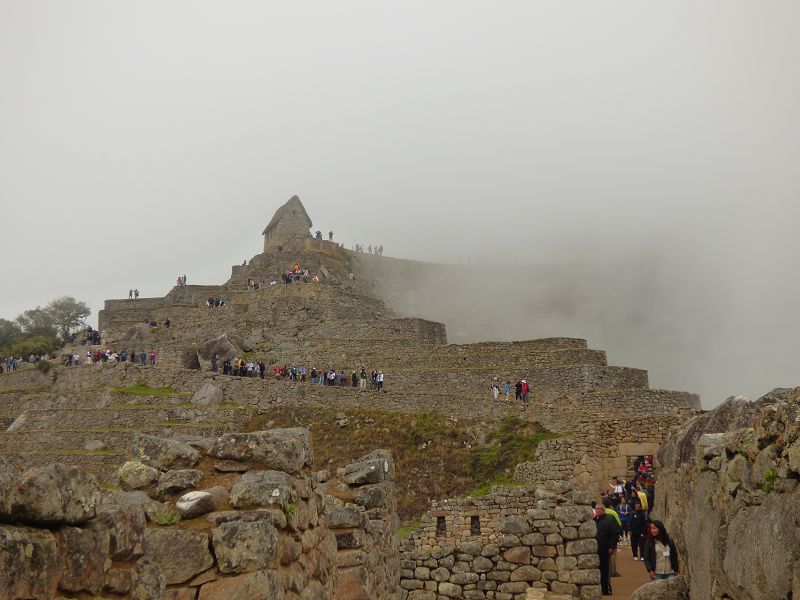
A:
[(441, 527), (475, 525)]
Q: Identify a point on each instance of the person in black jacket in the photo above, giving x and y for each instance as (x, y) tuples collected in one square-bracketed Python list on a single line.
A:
[(638, 525), (607, 536), (660, 554)]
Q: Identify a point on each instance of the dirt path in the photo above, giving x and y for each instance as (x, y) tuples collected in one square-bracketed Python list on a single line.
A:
[(632, 574)]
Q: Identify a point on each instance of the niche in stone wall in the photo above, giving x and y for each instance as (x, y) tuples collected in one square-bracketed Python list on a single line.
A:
[(474, 525), (441, 526)]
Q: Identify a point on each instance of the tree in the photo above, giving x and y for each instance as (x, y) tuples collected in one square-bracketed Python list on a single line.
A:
[(37, 322), (34, 344), (9, 331), (67, 315)]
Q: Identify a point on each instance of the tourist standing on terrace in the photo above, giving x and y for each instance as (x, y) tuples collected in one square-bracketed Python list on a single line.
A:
[(495, 387), (363, 378), (507, 389)]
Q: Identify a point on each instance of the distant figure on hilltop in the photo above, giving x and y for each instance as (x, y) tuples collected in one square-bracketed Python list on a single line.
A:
[(130, 294), (136, 293), (318, 235), (330, 236)]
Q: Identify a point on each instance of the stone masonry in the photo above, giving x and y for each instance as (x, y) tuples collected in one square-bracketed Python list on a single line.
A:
[(239, 516), (501, 545)]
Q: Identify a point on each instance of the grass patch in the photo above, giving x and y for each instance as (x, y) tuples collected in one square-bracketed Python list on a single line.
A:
[(407, 528), (436, 457), (166, 519), (142, 389), (513, 442)]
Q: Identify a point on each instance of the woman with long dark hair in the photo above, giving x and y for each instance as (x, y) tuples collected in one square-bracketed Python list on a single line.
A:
[(660, 554)]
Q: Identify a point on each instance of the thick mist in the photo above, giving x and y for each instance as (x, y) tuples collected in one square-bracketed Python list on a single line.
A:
[(622, 172)]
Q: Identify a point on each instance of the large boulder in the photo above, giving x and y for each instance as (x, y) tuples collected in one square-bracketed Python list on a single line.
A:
[(29, 559), (125, 525), (181, 554), (208, 394), (375, 467), (84, 557), (148, 580), (164, 454), (195, 504), (55, 494), (259, 585), (244, 546), (286, 450), (257, 489), (172, 482), (224, 346), (663, 589), (134, 475)]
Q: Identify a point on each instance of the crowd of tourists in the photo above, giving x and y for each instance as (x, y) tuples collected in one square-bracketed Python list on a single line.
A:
[(10, 363), (521, 389), (106, 355), (622, 518), (242, 367), (181, 281), (377, 250), (215, 301)]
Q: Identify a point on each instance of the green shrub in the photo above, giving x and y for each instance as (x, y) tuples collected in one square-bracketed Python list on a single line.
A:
[(166, 518), (769, 480)]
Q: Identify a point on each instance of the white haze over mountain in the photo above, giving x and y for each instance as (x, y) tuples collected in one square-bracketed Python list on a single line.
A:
[(655, 147)]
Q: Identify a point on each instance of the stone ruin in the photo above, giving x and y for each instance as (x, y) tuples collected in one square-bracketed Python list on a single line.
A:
[(337, 537), (259, 524), (502, 545)]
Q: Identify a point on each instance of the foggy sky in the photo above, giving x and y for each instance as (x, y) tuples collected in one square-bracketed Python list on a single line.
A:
[(141, 141)]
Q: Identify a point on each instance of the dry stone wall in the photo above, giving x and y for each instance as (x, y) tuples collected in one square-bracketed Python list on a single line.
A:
[(501, 545), (239, 516)]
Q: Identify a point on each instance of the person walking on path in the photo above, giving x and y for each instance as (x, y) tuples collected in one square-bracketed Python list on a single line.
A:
[(495, 387), (363, 377), (625, 513), (660, 554), (380, 380), (507, 389), (525, 390), (518, 390), (638, 526), (607, 536)]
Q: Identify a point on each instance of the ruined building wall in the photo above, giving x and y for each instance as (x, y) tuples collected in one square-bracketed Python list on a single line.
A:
[(500, 545), (257, 525)]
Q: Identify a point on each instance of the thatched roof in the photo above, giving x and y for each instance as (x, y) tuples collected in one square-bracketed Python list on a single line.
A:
[(292, 204)]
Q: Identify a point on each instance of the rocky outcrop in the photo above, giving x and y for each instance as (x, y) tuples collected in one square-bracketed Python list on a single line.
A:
[(729, 494), (290, 538)]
